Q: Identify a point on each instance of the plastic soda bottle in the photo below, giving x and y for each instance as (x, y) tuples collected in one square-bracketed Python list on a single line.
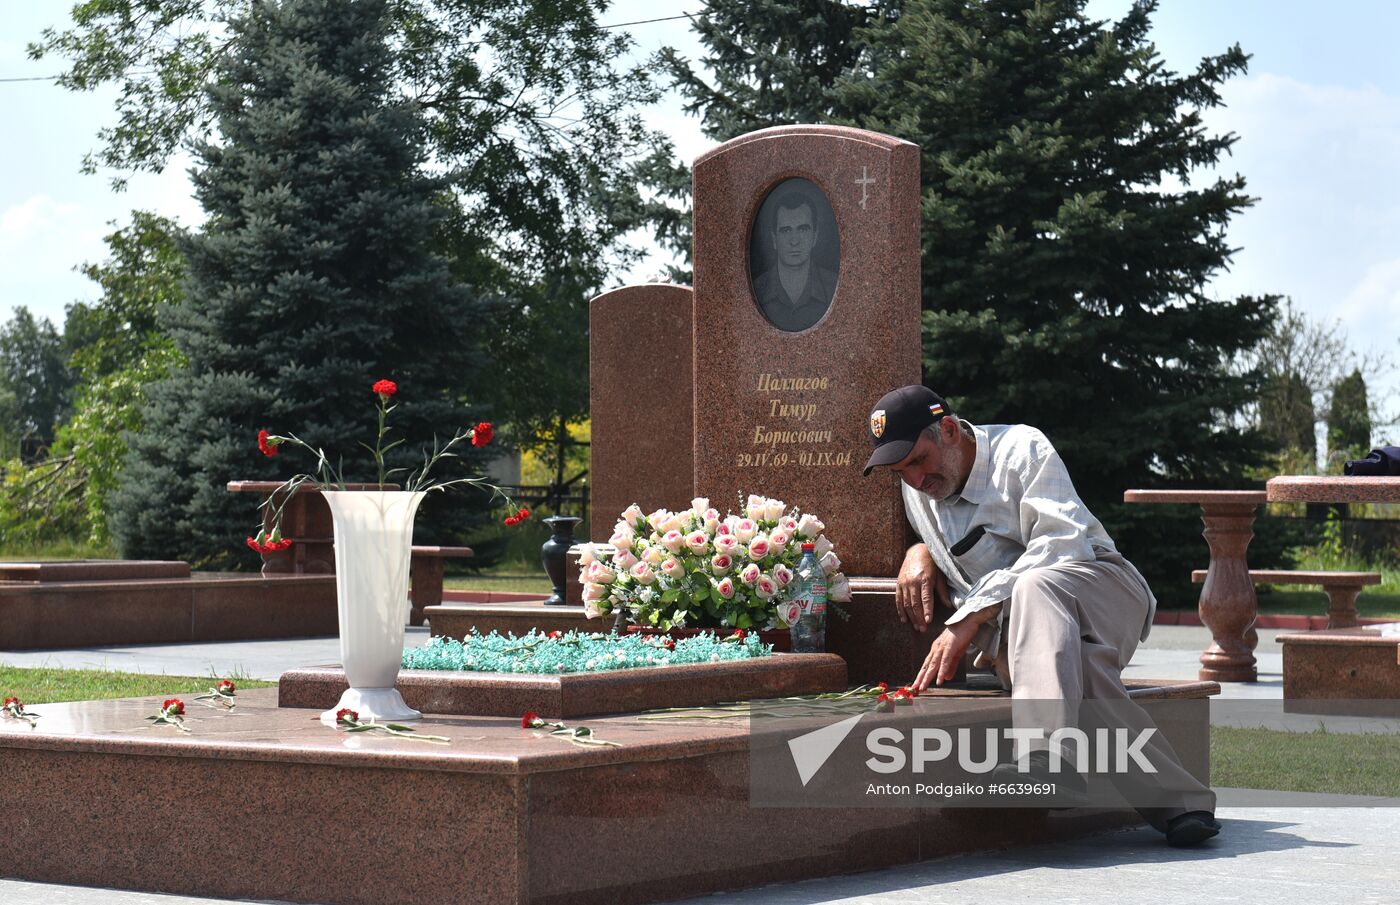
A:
[(809, 630)]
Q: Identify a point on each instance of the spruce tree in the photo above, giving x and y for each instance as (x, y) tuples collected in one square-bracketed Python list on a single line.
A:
[(773, 63), (1067, 238), (768, 63), (313, 276)]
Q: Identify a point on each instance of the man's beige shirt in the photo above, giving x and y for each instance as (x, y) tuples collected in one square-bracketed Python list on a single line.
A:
[(1021, 493)]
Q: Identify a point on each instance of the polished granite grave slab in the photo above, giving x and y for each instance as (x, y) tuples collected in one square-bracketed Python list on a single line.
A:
[(584, 694), (264, 802), (92, 570), (71, 608)]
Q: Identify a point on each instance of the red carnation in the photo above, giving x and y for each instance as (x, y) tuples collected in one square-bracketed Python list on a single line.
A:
[(173, 707), (883, 686), (385, 388), (268, 444), (226, 687), (346, 716), (669, 644), (555, 634), (268, 546), (740, 634), (482, 434), (11, 708), (530, 720)]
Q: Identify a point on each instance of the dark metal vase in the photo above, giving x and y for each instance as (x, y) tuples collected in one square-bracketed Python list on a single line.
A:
[(553, 552)]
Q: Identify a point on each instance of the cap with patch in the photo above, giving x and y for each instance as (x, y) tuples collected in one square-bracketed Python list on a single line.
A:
[(897, 420)]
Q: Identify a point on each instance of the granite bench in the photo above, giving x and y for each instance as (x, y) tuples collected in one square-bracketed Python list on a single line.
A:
[(425, 577), (1348, 671), (1341, 589)]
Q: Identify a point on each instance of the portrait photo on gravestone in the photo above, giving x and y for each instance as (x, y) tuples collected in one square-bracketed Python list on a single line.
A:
[(794, 255)]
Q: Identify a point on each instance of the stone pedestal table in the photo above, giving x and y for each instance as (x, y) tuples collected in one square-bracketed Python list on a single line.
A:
[(1333, 489), (1228, 606)]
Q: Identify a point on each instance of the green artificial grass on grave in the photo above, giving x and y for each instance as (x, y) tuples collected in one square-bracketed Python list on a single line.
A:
[(575, 652), (44, 685), (1340, 763)]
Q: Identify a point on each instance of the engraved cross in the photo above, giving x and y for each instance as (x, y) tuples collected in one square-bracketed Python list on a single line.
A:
[(865, 182)]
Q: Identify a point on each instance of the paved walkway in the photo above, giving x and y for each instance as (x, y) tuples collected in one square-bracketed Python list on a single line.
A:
[(1267, 854), (228, 659), (1264, 856)]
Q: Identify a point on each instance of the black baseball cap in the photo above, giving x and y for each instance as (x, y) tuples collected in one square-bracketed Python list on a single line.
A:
[(897, 420)]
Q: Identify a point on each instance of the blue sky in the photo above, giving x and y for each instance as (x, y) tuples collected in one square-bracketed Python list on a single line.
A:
[(1318, 117)]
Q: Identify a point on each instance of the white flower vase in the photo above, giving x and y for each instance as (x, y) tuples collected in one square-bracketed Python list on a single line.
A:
[(373, 544)]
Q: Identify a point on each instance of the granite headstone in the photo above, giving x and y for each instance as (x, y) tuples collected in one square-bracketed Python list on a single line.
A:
[(806, 257), (640, 394)]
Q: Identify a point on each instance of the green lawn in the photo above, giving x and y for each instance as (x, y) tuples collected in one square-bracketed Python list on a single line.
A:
[(523, 583), (1371, 604), (46, 686), (59, 550), (1294, 601), (1335, 762)]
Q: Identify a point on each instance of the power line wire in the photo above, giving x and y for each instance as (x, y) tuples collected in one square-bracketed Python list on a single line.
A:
[(649, 21)]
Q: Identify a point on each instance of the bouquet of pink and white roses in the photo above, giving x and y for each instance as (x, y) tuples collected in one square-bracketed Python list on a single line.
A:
[(697, 569)]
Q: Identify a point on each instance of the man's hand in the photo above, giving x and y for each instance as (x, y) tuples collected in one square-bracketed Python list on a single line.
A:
[(919, 588), (945, 654)]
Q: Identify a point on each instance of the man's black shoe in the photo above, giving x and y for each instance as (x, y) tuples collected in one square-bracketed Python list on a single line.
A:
[(1069, 785), (1191, 828)]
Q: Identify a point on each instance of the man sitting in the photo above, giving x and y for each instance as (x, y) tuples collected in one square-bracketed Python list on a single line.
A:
[(1037, 585)]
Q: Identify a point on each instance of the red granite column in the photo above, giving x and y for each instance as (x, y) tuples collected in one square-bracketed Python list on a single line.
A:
[(1228, 606)]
